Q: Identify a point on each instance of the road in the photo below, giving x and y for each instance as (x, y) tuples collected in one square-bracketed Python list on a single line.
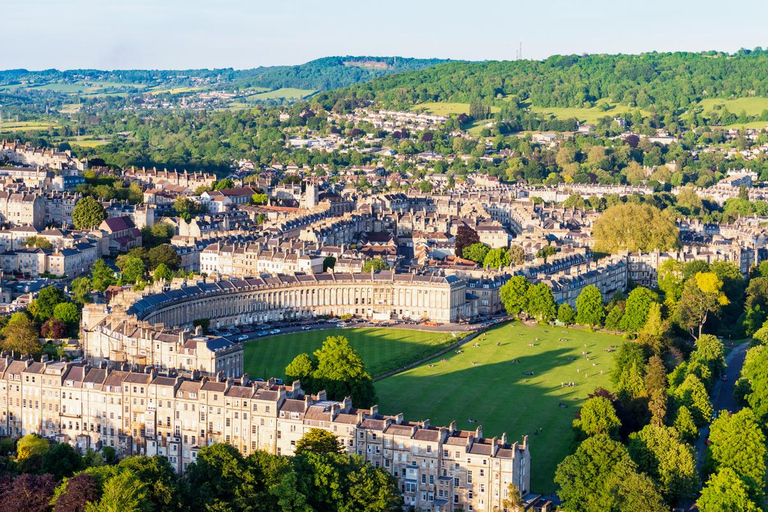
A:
[(722, 394)]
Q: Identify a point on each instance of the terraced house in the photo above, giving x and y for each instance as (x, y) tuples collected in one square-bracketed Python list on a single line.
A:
[(139, 411)]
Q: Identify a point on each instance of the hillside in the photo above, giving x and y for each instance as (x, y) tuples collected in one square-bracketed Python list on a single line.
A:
[(652, 81)]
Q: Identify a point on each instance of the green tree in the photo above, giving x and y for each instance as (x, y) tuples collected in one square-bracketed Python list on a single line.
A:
[(81, 290), (374, 264), (20, 336), (635, 227), (597, 416), (512, 501), (341, 372), (636, 310), (329, 262), (726, 491), (162, 273), (68, 313), (514, 295), (370, 488), (660, 453), (124, 492), (31, 445), (589, 305), (701, 296), (163, 492), (88, 213), (301, 368), (693, 395), (541, 303), (600, 475), (319, 441), (259, 199), (685, 424), (222, 184), (38, 241), (102, 276), (496, 258), (133, 269), (476, 252), (613, 320), (163, 255), (737, 442), (565, 314), (48, 298), (218, 480), (61, 460)]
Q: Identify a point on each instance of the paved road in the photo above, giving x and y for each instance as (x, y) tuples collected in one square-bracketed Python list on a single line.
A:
[(722, 394)]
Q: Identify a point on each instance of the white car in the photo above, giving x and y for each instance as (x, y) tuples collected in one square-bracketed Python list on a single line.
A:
[(341, 325), (275, 331), (242, 337)]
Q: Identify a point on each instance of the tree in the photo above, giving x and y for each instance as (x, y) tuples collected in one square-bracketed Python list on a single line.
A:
[(319, 441), (514, 295), (546, 252), (565, 314), (31, 445), (38, 241), (465, 236), (74, 494), (374, 265), (701, 296), (102, 276), (158, 475), (301, 368), (516, 255), (218, 480), (162, 273), (329, 262), (61, 460), (660, 453), (259, 199), (589, 305), (341, 372), (476, 252), (88, 213), (68, 313), (738, 443), (133, 269), (48, 298), (163, 254), (81, 290), (27, 493), (754, 381), (513, 501), (370, 488), (20, 335), (636, 310), (541, 303), (710, 353), (726, 491), (53, 328), (597, 416), (223, 184), (693, 395), (601, 476), (635, 227), (497, 258), (613, 320), (124, 492), (685, 424)]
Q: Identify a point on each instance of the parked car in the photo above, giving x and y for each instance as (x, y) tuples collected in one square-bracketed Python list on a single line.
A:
[(341, 325), (724, 378), (275, 331), (242, 337), (306, 328)]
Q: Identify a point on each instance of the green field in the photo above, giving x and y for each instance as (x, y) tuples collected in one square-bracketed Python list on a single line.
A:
[(382, 349), (286, 93), (21, 126), (446, 109), (498, 394), (585, 115), (751, 106)]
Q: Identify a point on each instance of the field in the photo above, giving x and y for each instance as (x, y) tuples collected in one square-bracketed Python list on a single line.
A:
[(497, 393), (585, 115), (751, 106), (286, 92), (382, 349), (21, 126), (446, 109)]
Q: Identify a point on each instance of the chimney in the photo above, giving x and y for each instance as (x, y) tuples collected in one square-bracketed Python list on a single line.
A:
[(245, 379)]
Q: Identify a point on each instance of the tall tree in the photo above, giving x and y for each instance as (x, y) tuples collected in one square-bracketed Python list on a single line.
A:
[(20, 336), (541, 303), (465, 236), (726, 491), (514, 295), (636, 309), (589, 307), (635, 227), (88, 213), (701, 296)]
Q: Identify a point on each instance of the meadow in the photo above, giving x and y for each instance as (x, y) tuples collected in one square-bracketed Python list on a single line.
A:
[(489, 384), (382, 349)]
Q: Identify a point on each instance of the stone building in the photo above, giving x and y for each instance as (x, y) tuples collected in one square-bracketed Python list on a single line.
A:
[(140, 411)]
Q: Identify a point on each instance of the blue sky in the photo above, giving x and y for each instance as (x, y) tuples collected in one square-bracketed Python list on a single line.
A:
[(179, 34)]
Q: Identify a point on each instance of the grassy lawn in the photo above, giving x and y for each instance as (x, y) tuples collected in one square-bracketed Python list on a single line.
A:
[(446, 109), (285, 92), (752, 106), (382, 349), (586, 115), (21, 126), (497, 393)]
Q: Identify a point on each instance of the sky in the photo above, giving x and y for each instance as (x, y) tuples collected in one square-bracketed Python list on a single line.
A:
[(183, 34)]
